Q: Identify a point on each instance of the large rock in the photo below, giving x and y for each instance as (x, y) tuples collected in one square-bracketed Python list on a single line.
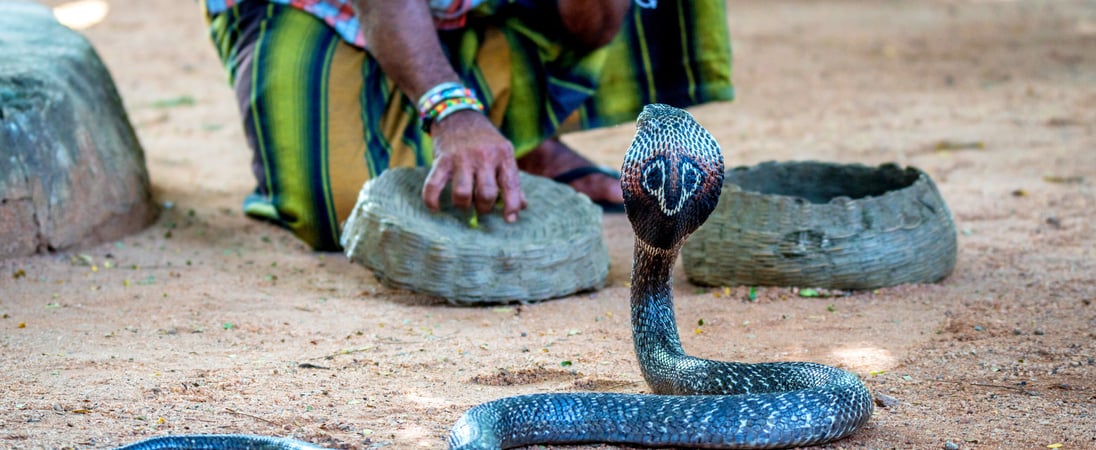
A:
[(71, 170)]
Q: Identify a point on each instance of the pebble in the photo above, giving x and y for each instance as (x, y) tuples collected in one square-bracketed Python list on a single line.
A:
[(885, 401), (949, 445)]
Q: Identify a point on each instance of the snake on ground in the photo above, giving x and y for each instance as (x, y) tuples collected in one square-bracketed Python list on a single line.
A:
[(671, 177)]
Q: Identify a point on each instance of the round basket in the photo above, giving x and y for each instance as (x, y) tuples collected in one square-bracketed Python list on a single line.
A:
[(553, 250), (814, 224)]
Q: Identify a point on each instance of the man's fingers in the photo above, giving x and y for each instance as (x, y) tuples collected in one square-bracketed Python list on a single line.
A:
[(435, 183), (487, 191), (462, 185), (478, 163), (513, 199)]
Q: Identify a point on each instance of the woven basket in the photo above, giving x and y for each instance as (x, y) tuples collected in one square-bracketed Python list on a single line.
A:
[(555, 248), (814, 224)]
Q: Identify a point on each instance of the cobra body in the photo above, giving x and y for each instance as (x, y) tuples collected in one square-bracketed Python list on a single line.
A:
[(219, 442), (672, 177)]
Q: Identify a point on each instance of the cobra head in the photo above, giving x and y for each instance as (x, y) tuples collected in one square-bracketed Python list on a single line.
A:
[(671, 177)]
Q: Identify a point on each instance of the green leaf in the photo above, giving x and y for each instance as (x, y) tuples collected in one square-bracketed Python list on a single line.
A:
[(808, 293), (182, 100)]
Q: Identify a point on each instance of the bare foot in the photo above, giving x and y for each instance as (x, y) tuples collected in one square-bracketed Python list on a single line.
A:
[(552, 158)]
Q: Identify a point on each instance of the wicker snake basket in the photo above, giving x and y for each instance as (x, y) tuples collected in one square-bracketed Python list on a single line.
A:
[(555, 248), (814, 224)]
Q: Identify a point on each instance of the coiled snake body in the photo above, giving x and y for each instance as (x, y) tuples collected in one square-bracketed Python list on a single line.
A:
[(672, 177)]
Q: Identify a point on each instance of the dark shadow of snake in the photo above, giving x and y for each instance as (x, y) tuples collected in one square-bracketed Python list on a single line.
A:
[(672, 177)]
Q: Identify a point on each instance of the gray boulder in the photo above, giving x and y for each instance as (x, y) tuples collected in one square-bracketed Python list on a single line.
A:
[(72, 172)]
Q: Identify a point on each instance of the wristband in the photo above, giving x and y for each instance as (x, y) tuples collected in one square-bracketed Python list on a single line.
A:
[(441, 92), (443, 100)]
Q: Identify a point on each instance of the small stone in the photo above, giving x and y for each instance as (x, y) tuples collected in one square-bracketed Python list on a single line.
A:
[(949, 445), (1039, 332), (885, 401)]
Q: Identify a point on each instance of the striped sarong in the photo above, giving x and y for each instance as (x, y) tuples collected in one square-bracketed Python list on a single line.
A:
[(322, 118)]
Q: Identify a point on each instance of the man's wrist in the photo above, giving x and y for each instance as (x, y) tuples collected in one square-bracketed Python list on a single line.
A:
[(466, 119)]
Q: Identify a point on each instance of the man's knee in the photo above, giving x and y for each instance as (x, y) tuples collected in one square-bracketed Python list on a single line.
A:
[(593, 23)]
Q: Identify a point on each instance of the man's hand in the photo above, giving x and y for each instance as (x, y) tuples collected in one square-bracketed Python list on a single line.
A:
[(471, 154), (469, 151)]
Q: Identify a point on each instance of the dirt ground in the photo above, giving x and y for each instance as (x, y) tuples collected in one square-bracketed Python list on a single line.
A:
[(210, 322)]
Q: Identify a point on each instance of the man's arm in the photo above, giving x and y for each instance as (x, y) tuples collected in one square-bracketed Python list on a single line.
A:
[(469, 151)]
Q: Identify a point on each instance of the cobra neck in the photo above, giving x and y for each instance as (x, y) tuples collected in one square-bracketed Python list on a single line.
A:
[(654, 327)]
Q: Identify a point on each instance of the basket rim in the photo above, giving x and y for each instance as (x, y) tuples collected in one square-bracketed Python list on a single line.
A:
[(922, 179)]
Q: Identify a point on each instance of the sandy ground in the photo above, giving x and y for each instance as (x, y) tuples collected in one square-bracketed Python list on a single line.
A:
[(210, 322)]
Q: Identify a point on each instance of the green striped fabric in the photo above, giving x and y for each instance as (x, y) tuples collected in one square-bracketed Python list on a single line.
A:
[(678, 54), (280, 76), (280, 61)]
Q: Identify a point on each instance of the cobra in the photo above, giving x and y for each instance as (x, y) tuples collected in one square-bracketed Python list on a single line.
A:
[(671, 177)]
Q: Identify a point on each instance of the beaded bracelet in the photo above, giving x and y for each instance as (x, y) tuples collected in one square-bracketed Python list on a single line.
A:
[(441, 92), (443, 100)]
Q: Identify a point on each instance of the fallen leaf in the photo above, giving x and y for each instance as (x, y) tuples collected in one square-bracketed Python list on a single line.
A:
[(182, 100), (1063, 180), (946, 145)]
